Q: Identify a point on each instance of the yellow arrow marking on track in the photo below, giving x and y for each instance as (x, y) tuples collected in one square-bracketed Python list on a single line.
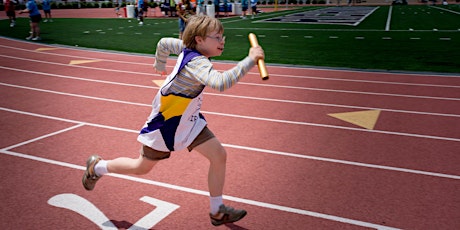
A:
[(78, 62), (45, 49), (159, 83), (365, 119)]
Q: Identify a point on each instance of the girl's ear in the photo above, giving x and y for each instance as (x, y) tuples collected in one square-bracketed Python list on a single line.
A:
[(199, 40)]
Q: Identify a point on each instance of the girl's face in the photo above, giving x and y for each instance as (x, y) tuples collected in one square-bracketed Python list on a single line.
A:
[(211, 45)]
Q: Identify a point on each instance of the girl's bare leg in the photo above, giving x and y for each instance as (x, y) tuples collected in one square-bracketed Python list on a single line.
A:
[(124, 165), (217, 156)]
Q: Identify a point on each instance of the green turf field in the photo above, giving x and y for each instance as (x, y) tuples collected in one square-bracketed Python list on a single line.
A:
[(414, 38)]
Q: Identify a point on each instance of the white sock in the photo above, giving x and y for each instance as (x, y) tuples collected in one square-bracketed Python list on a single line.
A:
[(215, 204), (101, 168)]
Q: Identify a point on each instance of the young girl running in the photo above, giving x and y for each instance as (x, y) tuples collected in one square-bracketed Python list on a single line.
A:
[(175, 122)]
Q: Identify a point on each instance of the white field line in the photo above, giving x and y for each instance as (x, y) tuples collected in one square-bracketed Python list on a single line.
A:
[(387, 26), (367, 15), (450, 11), (268, 15)]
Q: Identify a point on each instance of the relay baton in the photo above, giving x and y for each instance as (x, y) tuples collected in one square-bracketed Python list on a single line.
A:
[(260, 63)]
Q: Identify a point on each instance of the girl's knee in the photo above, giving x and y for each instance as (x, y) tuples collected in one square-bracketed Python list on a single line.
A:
[(221, 155), (142, 171), (144, 166)]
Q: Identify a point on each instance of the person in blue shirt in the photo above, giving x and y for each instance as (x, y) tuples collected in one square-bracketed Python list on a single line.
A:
[(201, 8), (217, 8), (35, 18), (244, 5), (46, 4), (253, 8), (226, 9), (140, 10)]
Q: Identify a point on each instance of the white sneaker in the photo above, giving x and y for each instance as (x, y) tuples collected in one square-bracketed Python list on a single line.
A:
[(28, 38), (36, 39), (141, 23), (46, 20)]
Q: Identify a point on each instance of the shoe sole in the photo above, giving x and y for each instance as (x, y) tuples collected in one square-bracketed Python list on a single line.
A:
[(233, 221)]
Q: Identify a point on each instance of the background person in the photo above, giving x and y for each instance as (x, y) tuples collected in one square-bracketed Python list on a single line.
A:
[(140, 11), (184, 11), (46, 4), (253, 8), (35, 18), (244, 5), (10, 9)]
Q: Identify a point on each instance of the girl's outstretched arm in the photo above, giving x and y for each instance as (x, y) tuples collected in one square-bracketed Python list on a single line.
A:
[(165, 47)]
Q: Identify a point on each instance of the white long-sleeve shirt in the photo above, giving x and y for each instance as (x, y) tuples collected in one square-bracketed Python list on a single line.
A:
[(199, 72)]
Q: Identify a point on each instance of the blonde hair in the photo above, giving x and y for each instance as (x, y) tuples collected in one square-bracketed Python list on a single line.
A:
[(200, 25)]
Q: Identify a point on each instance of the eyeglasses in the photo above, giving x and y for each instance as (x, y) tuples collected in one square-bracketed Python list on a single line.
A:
[(219, 39)]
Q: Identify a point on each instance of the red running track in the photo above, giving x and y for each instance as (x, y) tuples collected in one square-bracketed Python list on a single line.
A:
[(290, 164)]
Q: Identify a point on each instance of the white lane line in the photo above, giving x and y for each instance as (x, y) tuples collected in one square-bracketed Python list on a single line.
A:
[(260, 150), (337, 105), (338, 127), (77, 78), (357, 92), (76, 95), (419, 172), (80, 66), (43, 137)]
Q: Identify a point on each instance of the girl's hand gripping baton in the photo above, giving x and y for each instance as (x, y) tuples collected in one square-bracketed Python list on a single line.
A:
[(260, 63)]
